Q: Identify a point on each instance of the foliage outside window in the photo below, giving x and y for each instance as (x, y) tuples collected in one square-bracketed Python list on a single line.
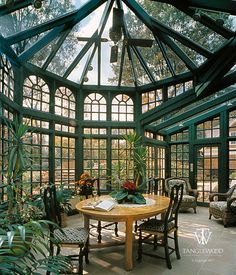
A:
[(64, 103), (38, 172), (64, 160), (160, 157), (151, 100), (232, 148), (95, 107), (36, 94), (6, 78), (64, 128), (180, 160), (122, 108), (150, 163), (36, 123), (181, 136), (209, 129), (95, 158)]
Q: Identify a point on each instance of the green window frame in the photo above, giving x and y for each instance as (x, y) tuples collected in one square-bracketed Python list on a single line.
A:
[(6, 78), (122, 108), (65, 103), (36, 94), (95, 107)]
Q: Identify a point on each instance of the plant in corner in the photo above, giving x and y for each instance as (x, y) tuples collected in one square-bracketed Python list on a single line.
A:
[(23, 244)]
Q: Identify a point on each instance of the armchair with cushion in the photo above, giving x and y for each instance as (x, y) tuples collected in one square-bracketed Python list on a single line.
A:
[(189, 195), (223, 206)]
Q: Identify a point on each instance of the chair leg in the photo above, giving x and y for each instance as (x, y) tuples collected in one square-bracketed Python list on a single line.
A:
[(167, 254), (139, 259), (210, 216), (80, 260), (99, 229), (176, 245), (136, 227), (155, 242), (116, 229), (86, 251), (195, 210)]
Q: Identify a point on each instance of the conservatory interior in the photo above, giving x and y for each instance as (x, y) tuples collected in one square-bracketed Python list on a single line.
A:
[(99, 96)]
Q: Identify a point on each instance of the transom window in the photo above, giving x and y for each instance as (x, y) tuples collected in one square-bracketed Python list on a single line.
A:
[(36, 94), (64, 103), (151, 100), (122, 108), (95, 107), (209, 128)]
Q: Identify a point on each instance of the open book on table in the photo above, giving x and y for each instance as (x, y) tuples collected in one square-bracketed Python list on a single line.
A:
[(105, 205)]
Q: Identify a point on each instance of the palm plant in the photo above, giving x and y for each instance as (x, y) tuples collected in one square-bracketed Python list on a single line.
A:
[(136, 157)]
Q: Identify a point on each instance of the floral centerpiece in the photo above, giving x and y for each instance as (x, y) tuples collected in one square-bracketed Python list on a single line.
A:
[(83, 185), (129, 193)]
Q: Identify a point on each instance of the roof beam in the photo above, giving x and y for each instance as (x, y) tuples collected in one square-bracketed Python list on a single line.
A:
[(18, 4), (216, 67), (228, 6), (7, 50), (187, 61), (167, 107), (196, 110), (158, 27), (71, 18)]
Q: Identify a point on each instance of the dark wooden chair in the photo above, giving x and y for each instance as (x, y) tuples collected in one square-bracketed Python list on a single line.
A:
[(223, 206), (64, 236), (153, 186), (162, 229), (95, 183)]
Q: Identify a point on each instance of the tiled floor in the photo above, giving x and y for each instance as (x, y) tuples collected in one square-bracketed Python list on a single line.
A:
[(216, 257)]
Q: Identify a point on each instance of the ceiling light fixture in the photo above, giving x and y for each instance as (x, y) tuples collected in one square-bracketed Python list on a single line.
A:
[(86, 79), (9, 3), (197, 15), (37, 4)]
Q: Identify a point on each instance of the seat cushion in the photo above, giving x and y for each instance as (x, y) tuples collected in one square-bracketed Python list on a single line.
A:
[(218, 205), (71, 235), (155, 225), (188, 198)]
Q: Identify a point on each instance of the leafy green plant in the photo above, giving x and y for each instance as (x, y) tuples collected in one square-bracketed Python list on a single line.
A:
[(24, 250), (136, 157), (63, 197)]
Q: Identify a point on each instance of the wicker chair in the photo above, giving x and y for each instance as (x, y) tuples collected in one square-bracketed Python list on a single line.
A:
[(189, 195), (163, 229), (223, 206)]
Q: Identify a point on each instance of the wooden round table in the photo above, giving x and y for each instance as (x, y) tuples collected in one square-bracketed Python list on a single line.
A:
[(125, 214)]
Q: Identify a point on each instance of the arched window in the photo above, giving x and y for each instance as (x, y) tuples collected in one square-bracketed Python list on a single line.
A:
[(6, 77), (64, 103), (36, 94), (95, 107), (122, 108)]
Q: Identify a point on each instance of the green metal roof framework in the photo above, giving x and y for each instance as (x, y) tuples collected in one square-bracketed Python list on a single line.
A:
[(213, 74)]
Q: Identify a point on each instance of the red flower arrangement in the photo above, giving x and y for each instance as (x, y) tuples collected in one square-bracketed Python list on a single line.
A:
[(129, 192)]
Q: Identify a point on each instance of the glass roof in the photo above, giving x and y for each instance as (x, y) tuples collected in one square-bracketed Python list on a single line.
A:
[(117, 43)]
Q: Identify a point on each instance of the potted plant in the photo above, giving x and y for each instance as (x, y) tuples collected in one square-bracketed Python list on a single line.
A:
[(129, 193)]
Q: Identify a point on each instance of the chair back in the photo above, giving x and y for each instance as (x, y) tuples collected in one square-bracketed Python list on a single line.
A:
[(51, 205), (155, 186), (169, 182), (176, 195)]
